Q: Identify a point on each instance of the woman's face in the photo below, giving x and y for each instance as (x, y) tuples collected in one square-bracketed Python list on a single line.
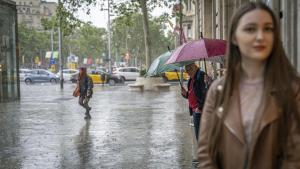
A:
[(254, 35), (191, 70)]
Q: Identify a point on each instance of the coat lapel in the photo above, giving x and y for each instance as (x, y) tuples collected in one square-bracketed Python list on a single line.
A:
[(233, 119), (271, 113)]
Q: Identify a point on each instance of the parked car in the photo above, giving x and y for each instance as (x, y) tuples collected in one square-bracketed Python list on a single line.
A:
[(23, 73), (67, 73), (97, 76), (102, 69), (41, 75), (127, 73), (171, 75), (100, 77)]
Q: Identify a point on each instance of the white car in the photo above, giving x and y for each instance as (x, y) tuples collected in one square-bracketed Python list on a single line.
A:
[(23, 73), (68, 73), (127, 73)]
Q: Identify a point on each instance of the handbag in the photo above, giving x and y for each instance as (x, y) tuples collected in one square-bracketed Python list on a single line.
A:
[(76, 92)]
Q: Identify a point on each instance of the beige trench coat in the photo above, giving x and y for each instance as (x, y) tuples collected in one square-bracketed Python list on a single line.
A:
[(232, 148)]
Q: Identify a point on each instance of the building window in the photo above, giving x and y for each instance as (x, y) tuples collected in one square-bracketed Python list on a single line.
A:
[(189, 31), (189, 5), (268, 2)]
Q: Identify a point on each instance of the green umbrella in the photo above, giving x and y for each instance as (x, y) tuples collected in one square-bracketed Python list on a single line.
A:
[(158, 66)]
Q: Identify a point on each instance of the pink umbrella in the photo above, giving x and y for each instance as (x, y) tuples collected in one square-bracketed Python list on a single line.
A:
[(198, 50)]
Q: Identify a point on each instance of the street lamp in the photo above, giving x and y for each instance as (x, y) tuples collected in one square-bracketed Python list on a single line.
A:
[(60, 48), (109, 2)]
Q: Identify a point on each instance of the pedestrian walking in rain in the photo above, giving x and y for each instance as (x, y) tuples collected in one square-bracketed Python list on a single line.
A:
[(195, 93), (251, 116), (85, 84)]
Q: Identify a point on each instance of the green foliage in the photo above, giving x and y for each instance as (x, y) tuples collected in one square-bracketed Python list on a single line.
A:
[(75, 5), (88, 41), (143, 72), (133, 6), (129, 8), (32, 43), (129, 28), (68, 21), (85, 40)]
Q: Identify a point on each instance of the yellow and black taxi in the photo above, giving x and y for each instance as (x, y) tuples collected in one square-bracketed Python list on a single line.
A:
[(173, 75), (101, 77)]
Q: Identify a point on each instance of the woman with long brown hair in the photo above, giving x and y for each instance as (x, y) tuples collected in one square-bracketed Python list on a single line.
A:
[(251, 116), (85, 85)]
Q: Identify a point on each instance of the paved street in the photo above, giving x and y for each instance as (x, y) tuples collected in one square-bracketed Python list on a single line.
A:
[(129, 130)]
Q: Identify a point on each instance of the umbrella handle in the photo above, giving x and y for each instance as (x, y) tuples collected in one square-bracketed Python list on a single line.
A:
[(178, 78)]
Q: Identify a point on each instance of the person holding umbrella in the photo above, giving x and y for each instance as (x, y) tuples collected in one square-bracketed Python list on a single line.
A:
[(195, 93), (251, 117)]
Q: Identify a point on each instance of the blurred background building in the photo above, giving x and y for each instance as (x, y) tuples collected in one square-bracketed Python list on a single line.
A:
[(30, 12)]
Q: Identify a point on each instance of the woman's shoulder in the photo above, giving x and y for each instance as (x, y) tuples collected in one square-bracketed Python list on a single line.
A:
[(216, 87), (218, 84), (296, 86)]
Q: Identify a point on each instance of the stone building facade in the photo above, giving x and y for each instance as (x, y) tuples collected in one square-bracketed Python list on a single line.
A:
[(213, 17), (30, 12)]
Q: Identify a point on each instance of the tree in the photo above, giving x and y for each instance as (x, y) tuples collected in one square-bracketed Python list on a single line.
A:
[(133, 6), (128, 35), (124, 8), (88, 41), (146, 33), (32, 44), (65, 17)]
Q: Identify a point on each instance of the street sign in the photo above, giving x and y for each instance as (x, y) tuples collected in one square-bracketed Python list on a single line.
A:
[(52, 61)]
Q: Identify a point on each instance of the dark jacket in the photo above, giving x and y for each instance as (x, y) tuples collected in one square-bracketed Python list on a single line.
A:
[(85, 85), (199, 88)]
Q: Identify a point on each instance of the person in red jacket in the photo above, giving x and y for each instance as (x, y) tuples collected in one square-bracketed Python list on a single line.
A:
[(195, 93)]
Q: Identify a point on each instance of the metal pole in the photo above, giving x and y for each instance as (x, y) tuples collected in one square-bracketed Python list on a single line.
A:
[(52, 42), (51, 57), (109, 38), (180, 22), (180, 37), (60, 50)]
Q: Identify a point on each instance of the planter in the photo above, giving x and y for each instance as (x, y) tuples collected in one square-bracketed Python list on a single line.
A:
[(150, 83)]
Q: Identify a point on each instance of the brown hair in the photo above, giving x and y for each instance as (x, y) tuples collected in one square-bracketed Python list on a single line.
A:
[(279, 74), (83, 74)]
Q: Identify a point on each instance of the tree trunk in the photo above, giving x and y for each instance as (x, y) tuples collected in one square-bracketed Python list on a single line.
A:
[(146, 33)]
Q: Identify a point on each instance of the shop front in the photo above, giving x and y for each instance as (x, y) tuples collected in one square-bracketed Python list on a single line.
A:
[(9, 78)]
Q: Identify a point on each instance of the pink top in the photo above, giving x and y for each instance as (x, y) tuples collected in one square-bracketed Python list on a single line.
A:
[(251, 94)]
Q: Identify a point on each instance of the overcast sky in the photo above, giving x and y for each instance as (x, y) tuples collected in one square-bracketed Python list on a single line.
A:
[(99, 18)]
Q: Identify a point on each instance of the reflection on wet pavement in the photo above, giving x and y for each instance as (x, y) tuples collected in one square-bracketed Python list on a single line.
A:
[(134, 130)]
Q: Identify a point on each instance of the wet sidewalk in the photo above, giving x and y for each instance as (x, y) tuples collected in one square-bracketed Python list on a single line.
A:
[(128, 130)]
